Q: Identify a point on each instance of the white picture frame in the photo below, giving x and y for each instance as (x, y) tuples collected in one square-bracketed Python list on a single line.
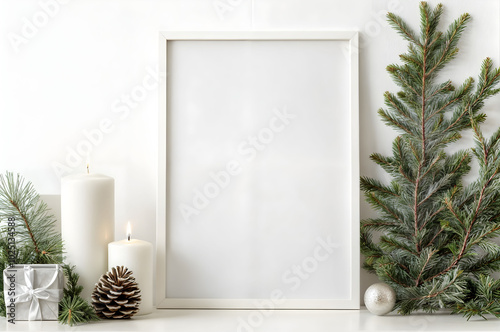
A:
[(184, 58)]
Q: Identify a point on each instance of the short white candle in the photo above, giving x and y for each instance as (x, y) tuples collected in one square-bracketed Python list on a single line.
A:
[(87, 224), (137, 256)]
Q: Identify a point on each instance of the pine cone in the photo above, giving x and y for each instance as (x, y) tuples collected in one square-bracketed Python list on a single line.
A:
[(116, 295)]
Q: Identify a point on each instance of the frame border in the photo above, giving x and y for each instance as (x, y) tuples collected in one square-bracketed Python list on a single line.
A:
[(162, 190)]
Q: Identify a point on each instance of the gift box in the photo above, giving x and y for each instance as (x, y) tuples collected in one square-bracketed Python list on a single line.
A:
[(33, 292)]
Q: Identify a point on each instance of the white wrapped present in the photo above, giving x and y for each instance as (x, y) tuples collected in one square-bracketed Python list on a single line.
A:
[(33, 292)]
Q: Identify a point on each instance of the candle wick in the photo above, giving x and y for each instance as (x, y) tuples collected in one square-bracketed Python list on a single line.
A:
[(88, 166), (128, 237)]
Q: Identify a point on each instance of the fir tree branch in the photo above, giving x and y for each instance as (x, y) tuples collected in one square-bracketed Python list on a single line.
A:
[(429, 256), (404, 82), (388, 275), (422, 125), (465, 157), (430, 243), (429, 168), (480, 139), (391, 100), (405, 175), (441, 209), (73, 309), (19, 200), (444, 88), (450, 42), (373, 185), (27, 224), (485, 235), (402, 28), (467, 86), (467, 235), (455, 214), (482, 93), (436, 232), (385, 207), (390, 120), (397, 245)]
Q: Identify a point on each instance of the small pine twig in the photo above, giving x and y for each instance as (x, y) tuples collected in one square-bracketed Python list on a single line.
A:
[(34, 224), (27, 224), (73, 309)]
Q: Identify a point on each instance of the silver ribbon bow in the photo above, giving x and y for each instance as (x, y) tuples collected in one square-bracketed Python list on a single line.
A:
[(29, 294)]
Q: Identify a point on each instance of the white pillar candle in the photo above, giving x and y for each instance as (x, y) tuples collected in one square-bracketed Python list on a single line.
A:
[(137, 256), (87, 225)]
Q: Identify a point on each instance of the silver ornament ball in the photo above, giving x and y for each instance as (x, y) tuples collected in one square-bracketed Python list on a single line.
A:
[(380, 298)]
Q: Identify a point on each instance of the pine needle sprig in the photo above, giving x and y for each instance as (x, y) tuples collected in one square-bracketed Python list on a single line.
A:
[(73, 309), (486, 299), (34, 225)]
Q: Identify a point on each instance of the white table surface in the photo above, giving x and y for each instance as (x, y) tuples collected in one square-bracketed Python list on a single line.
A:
[(275, 321)]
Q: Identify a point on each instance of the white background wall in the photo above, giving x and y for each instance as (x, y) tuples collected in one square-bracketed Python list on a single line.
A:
[(68, 73)]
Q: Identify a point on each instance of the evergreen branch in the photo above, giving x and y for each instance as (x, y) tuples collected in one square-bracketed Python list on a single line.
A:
[(487, 83), (438, 292), (393, 70), (458, 97), (432, 192), (388, 275), (445, 87), (397, 106), (384, 162), (481, 197), (9, 189), (402, 28), (465, 157), (27, 224), (436, 38), (456, 30), (485, 235), (415, 207), (417, 156), (73, 309), (391, 242), (405, 175), (375, 223), (457, 121), (72, 288), (21, 201), (436, 233), (429, 256), (455, 214), (485, 300), (468, 233), (480, 139), (385, 207), (434, 238), (410, 60), (76, 310), (485, 263), (430, 167), (371, 185), (422, 125), (391, 121), (441, 209)]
